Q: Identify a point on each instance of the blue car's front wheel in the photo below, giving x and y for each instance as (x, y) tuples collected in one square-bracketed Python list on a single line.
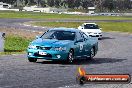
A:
[(32, 59)]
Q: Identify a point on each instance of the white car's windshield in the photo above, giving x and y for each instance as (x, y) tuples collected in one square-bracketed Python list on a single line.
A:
[(59, 35), (91, 26)]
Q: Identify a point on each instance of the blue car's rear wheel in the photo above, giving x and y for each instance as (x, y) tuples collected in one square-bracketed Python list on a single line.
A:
[(32, 59), (92, 54), (70, 56)]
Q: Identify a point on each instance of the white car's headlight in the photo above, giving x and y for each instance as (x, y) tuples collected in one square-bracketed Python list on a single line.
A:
[(32, 47), (59, 48), (89, 32)]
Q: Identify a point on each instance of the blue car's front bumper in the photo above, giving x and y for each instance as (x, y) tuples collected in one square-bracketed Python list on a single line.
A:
[(50, 54)]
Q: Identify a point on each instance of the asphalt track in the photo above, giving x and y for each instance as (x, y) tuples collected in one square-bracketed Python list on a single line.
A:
[(114, 57), (18, 23)]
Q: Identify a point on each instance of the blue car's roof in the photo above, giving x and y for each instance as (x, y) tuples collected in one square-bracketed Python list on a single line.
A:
[(65, 29)]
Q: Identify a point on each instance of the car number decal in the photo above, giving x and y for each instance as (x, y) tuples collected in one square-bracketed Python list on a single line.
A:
[(81, 47), (42, 53)]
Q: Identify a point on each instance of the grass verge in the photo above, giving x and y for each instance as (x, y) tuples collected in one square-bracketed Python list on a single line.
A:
[(17, 41), (36, 15), (106, 26), (16, 44)]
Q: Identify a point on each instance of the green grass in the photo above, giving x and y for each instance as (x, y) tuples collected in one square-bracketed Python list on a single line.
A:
[(58, 24), (116, 26), (106, 26), (15, 44), (17, 41), (35, 15)]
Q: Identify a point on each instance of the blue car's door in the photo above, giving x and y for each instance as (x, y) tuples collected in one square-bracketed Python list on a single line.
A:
[(86, 44), (79, 45)]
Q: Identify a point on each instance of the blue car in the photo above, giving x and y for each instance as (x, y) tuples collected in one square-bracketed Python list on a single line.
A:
[(64, 44)]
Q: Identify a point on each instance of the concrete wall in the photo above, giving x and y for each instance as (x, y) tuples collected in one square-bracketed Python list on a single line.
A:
[(1, 42), (45, 10), (5, 9), (127, 14)]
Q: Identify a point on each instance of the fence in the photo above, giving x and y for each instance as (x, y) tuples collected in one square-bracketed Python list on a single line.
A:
[(2, 40)]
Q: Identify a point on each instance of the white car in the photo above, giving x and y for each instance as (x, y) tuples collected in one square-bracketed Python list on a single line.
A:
[(91, 29)]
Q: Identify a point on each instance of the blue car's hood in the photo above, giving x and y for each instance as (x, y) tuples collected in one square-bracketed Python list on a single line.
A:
[(50, 42)]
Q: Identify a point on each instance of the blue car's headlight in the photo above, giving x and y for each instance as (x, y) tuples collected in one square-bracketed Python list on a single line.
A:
[(32, 47), (59, 48)]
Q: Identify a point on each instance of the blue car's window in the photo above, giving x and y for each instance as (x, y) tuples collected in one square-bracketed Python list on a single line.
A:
[(84, 35), (91, 26), (59, 35), (79, 36)]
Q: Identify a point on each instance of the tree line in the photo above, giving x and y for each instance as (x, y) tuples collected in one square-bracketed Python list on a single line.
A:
[(101, 5)]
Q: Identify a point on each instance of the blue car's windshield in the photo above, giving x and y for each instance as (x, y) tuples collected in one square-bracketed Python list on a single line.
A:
[(59, 35), (91, 26)]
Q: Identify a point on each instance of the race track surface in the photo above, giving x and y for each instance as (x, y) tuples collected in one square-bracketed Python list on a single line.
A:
[(18, 23), (114, 57)]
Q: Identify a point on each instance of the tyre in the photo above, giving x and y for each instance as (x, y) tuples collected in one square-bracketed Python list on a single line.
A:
[(70, 56), (32, 59), (99, 38), (92, 53)]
